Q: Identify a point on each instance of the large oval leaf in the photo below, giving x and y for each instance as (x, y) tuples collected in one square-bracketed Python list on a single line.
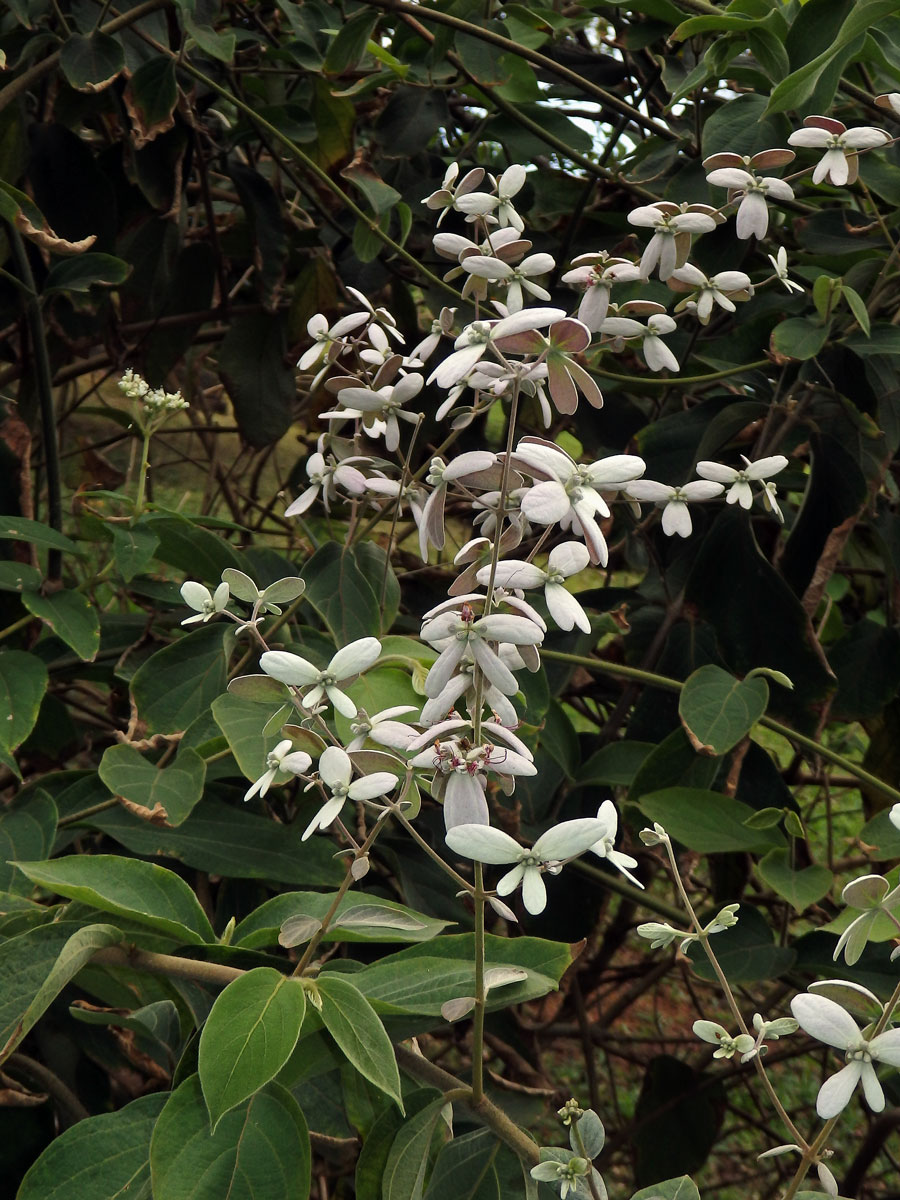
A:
[(717, 710)]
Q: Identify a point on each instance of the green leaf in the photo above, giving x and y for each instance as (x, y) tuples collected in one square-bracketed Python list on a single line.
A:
[(177, 787), (215, 44), (717, 710), (133, 547), (357, 1029), (792, 92), (178, 683), (259, 1151), (267, 228), (799, 337), (464, 1169), (23, 682), (20, 529), (150, 97), (91, 63), (358, 919), (72, 618), (404, 1173), (372, 1161), (242, 722), (380, 195), (249, 1035), (341, 594), (707, 821), (858, 307), (682, 1188), (350, 44), (260, 384), (101, 1158), (19, 577), (27, 830), (799, 887), (228, 841), (36, 966), (142, 891), (80, 274), (196, 551)]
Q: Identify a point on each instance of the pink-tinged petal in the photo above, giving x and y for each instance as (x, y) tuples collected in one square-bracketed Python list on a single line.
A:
[(379, 783), (546, 503), (476, 204), (289, 668), (586, 385), (714, 162), (767, 160), (534, 893), (562, 390), (355, 657), (730, 177), (350, 479), (469, 463), (812, 137), (834, 1094), (676, 519), (825, 1020), (565, 609), (752, 216), (570, 335), (483, 843), (464, 802)]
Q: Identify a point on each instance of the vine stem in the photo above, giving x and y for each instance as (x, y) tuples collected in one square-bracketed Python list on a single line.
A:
[(480, 997), (703, 938), (675, 685)]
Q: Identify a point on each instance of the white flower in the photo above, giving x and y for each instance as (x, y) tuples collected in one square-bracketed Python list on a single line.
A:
[(440, 326), (383, 407), (207, 604), (485, 844), (840, 162), (657, 354), (446, 196), (325, 475), (738, 173), (739, 479), (464, 633), (674, 501), (894, 816), (570, 494), (596, 273), (779, 263), (472, 344), (710, 1031), (328, 341), (565, 560), (874, 895), (336, 772), (603, 847), (715, 289), (673, 225), (497, 209), (382, 728), (299, 672), (515, 279), (460, 770), (826, 1021), (283, 759)]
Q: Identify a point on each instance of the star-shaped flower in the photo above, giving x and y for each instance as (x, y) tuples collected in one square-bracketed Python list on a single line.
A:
[(298, 672), (207, 604), (596, 273), (336, 772), (739, 478), (739, 173), (673, 225), (674, 501), (710, 1031), (840, 162), (283, 760), (826, 1021), (603, 847), (485, 844), (565, 560), (722, 289)]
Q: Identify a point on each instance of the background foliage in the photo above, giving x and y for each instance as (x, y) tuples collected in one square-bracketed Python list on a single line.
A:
[(236, 167)]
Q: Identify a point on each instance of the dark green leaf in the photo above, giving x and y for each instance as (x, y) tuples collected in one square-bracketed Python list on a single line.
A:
[(404, 1173), (82, 273), (373, 920), (357, 1029), (464, 1169), (20, 529), (678, 1120), (800, 887), (134, 548), (91, 63), (350, 44), (682, 1188), (341, 594), (718, 710), (866, 661), (177, 787), (142, 891), (266, 222), (249, 1035), (259, 1151), (256, 374), (746, 952), (100, 1158), (799, 337), (72, 618), (23, 683), (150, 97), (178, 683), (27, 830), (707, 821)]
